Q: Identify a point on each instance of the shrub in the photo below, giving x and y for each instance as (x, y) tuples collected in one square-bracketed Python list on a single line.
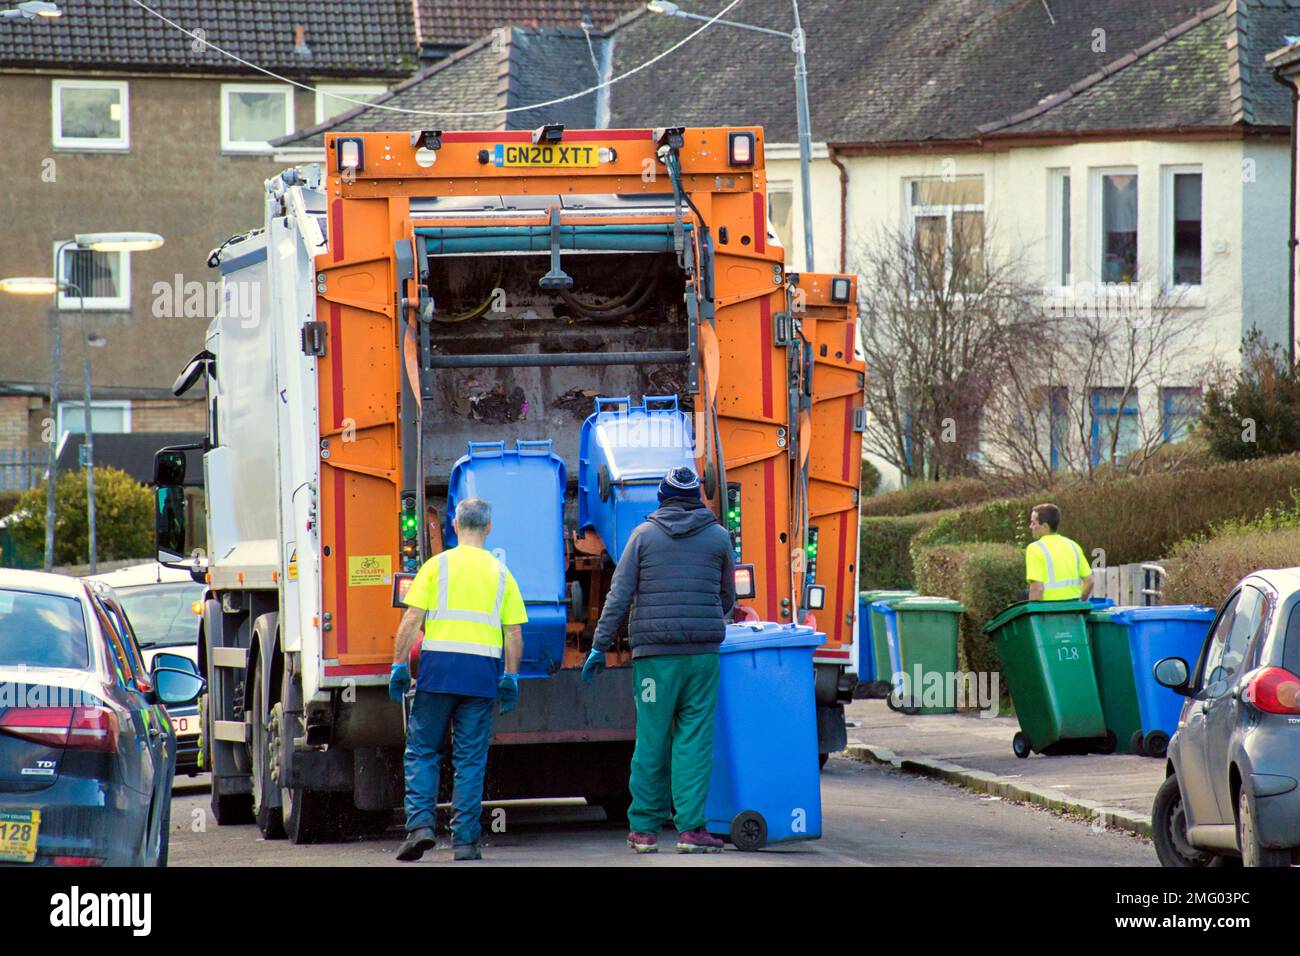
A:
[(124, 517), (1202, 570), (1137, 518), (985, 578), (870, 482), (922, 496), (1264, 397), (885, 559), (9, 502)]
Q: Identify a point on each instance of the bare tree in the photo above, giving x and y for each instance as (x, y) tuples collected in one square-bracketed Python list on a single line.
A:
[(941, 322)]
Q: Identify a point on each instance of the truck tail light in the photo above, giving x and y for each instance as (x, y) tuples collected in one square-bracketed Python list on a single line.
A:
[(78, 728), (1274, 691), (740, 149), (746, 588), (351, 154)]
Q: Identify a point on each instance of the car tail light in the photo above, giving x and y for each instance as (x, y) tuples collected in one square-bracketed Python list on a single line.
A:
[(77, 861), (81, 728), (1274, 691)]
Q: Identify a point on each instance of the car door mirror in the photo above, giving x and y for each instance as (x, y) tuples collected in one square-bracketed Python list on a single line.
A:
[(177, 687), (173, 662), (1172, 672)]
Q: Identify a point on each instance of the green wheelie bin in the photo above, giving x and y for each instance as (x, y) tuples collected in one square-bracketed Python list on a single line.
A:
[(1113, 665), (1048, 662), (922, 637), (878, 642)]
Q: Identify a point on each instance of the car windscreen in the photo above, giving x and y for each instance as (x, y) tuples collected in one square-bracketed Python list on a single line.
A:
[(42, 630), (162, 615)]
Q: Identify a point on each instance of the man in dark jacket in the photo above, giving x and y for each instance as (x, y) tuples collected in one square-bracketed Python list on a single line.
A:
[(677, 578)]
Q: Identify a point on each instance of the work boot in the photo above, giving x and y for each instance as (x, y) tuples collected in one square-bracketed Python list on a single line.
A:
[(643, 842), (698, 841), (467, 851), (418, 841)]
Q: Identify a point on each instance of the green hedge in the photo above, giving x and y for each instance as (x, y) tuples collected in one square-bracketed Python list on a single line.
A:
[(1132, 519), (985, 578), (885, 560), (1203, 570), (870, 482), (921, 497)]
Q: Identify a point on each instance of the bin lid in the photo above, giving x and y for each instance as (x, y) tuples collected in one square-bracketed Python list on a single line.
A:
[(1163, 612), (1035, 607), (869, 596), (753, 636), (922, 602)]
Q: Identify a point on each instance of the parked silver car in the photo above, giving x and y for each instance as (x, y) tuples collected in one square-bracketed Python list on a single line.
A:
[(1233, 786)]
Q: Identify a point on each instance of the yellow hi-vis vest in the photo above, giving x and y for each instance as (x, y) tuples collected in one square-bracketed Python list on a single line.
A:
[(460, 622), (1058, 563)]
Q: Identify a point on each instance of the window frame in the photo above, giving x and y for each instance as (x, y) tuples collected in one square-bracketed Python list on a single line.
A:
[(121, 144), (1167, 224), (342, 89), (1119, 413), (66, 302), (1097, 234), (1168, 392), (95, 404), (253, 146), (1060, 237), (914, 211)]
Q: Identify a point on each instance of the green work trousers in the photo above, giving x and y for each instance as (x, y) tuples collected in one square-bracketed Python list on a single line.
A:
[(676, 698)]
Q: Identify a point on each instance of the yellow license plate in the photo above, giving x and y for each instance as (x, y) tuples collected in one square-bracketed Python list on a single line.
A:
[(569, 155), (18, 830)]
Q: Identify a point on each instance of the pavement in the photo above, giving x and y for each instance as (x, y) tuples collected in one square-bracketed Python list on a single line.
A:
[(873, 815), (973, 751)]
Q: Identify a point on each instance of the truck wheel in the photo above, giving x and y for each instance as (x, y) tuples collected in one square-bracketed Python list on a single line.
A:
[(228, 809), (269, 819), (748, 830)]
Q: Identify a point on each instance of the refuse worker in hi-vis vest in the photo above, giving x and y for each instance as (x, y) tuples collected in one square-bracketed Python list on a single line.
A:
[(1054, 565), (471, 610)]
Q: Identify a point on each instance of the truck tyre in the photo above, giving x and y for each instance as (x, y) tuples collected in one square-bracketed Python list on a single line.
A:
[(228, 809), (269, 819), (313, 816)]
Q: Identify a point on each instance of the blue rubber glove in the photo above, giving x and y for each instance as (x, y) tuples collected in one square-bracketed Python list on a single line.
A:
[(595, 664), (399, 682), (508, 692)]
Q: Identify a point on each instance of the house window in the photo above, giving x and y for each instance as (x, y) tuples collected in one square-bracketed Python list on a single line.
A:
[(103, 279), (947, 222), (252, 114), (106, 418), (1179, 408), (780, 212), (329, 102), (1059, 425), (1060, 229), (1117, 246), (91, 114), (1114, 410), (1183, 226)]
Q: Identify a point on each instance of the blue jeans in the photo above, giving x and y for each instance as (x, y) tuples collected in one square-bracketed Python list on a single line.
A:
[(470, 719)]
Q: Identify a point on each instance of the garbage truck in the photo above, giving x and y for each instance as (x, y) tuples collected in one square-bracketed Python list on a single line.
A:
[(549, 319)]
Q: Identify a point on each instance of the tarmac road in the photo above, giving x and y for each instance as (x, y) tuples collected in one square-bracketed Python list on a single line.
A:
[(873, 816)]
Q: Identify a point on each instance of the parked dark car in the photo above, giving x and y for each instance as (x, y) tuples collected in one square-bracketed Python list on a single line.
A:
[(162, 605), (87, 751), (1233, 786)]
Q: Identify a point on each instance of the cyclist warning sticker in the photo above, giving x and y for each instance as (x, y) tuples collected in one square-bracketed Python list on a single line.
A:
[(369, 569)]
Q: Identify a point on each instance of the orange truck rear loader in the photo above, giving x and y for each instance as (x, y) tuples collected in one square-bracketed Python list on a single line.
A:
[(424, 290)]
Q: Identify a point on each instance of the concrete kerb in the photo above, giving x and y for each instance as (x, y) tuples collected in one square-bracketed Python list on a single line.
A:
[(981, 781)]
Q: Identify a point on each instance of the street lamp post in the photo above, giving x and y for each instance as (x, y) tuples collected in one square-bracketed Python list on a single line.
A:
[(39, 285), (796, 39)]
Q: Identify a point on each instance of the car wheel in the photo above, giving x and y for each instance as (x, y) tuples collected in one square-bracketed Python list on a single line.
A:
[(1169, 830), (1252, 854)]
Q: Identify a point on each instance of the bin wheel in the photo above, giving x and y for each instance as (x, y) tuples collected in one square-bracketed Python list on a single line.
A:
[(1108, 744), (1020, 744), (1155, 744), (602, 482), (748, 830), (1135, 742)]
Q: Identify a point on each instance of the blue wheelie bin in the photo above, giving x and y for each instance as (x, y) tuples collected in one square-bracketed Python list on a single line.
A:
[(1172, 630), (766, 783), (866, 652)]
